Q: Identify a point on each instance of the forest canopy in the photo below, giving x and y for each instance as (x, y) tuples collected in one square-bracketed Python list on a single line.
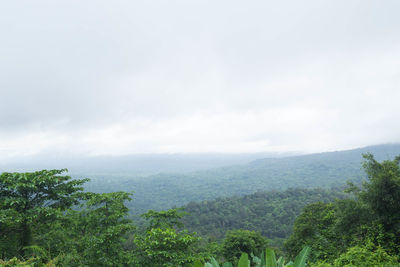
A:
[(47, 218)]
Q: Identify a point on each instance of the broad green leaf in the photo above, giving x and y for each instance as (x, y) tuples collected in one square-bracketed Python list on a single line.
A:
[(227, 264), (244, 260), (198, 263), (262, 259), (270, 260), (280, 262), (301, 258), (214, 262)]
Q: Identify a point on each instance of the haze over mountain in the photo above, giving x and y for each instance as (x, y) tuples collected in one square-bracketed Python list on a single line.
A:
[(137, 164), (244, 113), (161, 181), (162, 191)]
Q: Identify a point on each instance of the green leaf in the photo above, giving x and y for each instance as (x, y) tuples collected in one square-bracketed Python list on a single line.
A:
[(280, 262), (198, 263), (262, 257), (214, 262), (244, 260), (227, 264), (270, 259), (301, 258)]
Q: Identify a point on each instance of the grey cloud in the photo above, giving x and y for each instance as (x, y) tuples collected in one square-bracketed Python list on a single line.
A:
[(79, 65)]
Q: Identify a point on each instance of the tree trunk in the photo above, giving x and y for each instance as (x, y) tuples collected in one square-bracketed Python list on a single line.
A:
[(26, 236)]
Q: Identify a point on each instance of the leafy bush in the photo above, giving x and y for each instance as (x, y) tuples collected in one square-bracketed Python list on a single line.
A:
[(31, 262), (269, 260), (364, 256), (238, 241)]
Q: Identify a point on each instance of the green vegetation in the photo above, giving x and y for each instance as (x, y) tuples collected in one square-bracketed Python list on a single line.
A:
[(164, 243), (32, 201), (370, 221), (238, 241), (265, 260), (271, 213), (46, 219), (165, 191)]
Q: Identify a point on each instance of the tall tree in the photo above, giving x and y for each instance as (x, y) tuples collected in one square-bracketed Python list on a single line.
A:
[(370, 216), (314, 228), (382, 190), (33, 198), (381, 194), (97, 231)]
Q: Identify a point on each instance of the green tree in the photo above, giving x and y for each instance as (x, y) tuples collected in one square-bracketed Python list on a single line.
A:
[(165, 247), (352, 216), (370, 215), (97, 231), (29, 199), (382, 190), (163, 244), (381, 194), (164, 219), (238, 241), (314, 228)]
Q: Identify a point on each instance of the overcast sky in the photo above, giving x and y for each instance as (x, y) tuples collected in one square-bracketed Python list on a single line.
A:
[(121, 77)]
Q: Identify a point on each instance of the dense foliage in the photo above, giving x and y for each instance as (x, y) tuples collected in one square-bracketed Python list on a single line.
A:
[(46, 219), (165, 191), (164, 243), (267, 259), (238, 241), (31, 202), (271, 213), (369, 221)]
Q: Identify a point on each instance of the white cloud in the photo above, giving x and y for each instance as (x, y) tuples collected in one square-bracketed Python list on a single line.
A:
[(122, 77)]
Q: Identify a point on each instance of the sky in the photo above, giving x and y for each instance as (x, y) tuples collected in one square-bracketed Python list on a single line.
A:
[(126, 77)]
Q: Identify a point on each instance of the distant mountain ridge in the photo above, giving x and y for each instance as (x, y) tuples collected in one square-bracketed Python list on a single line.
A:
[(132, 165), (380, 152), (163, 191), (220, 175)]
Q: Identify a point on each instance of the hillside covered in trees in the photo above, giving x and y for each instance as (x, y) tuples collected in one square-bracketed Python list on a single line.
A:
[(163, 191), (46, 219), (270, 213)]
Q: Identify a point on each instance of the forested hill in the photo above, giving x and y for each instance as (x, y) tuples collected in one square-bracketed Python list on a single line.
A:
[(164, 191), (132, 165), (270, 213)]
